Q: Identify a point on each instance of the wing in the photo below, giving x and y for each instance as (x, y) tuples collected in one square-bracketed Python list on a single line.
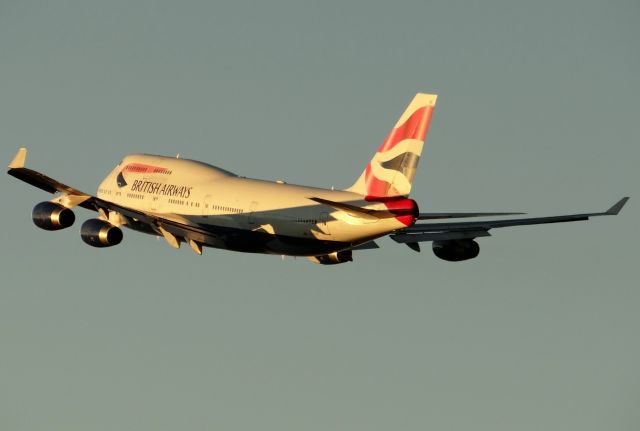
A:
[(71, 197), (37, 179), (172, 227), (463, 230)]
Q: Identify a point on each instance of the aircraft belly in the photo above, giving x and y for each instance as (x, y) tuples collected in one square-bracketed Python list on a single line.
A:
[(255, 241)]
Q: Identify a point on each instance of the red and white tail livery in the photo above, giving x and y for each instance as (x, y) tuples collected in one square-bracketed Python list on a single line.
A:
[(390, 173)]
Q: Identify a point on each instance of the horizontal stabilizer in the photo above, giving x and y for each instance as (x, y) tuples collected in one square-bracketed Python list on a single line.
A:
[(353, 210)]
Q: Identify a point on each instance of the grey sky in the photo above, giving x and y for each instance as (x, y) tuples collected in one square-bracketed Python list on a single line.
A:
[(538, 112)]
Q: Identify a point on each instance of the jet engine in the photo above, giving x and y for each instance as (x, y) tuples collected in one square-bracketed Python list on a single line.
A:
[(52, 216), (456, 250), (333, 258), (99, 233)]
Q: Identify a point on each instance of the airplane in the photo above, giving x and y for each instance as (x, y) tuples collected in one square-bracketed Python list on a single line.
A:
[(188, 201)]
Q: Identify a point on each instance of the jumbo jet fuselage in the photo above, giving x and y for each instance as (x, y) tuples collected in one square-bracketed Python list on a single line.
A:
[(244, 214)]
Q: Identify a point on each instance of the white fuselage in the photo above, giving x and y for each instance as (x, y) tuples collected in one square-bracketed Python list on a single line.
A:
[(229, 208)]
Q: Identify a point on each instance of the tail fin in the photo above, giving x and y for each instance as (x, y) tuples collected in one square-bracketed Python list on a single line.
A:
[(390, 173)]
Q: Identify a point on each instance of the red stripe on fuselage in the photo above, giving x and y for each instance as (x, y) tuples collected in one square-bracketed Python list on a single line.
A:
[(145, 169)]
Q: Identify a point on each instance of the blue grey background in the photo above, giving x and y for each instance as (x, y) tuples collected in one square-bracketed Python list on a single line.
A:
[(538, 112)]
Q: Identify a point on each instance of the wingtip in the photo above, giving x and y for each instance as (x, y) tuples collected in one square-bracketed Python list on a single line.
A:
[(617, 207), (19, 159)]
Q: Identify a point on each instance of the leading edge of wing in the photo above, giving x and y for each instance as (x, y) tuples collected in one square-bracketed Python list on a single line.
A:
[(37, 179), (409, 234)]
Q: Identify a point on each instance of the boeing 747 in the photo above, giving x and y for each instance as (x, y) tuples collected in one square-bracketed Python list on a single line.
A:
[(187, 201)]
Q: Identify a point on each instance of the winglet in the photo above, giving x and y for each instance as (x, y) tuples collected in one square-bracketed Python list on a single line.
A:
[(18, 160), (615, 209)]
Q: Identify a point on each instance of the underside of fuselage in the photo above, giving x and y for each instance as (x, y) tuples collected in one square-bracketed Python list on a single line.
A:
[(246, 241)]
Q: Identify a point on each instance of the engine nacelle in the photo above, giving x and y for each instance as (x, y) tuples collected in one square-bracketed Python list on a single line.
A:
[(456, 250), (99, 233), (333, 258), (52, 216)]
